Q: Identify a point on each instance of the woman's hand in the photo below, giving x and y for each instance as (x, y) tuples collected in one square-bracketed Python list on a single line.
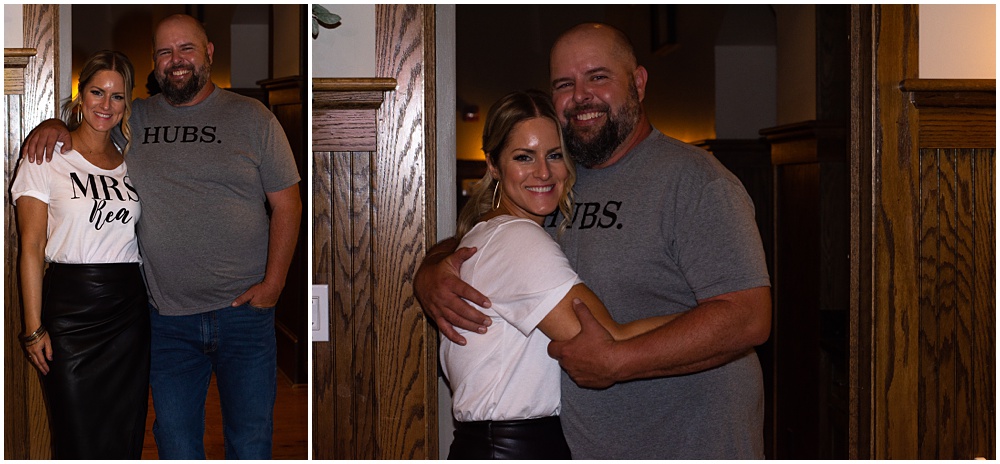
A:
[(40, 353)]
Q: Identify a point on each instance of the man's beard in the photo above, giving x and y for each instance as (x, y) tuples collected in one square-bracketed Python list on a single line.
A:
[(603, 144), (185, 93)]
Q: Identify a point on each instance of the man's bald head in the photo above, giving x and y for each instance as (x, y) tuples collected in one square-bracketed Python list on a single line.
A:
[(602, 35)]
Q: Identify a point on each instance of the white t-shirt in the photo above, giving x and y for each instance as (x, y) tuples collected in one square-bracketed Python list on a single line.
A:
[(92, 212), (507, 374)]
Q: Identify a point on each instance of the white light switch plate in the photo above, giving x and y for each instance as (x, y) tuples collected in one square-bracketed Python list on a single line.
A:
[(319, 313)]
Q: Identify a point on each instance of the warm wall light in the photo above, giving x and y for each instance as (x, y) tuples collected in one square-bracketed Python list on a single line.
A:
[(470, 113)]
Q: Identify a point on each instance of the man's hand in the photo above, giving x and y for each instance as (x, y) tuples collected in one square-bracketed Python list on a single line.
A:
[(41, 142), (440, 291), (261, 295), (588, 357)]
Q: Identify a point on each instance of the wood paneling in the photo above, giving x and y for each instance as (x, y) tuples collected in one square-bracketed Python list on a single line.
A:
[(925, 170), (406, 345), (26, 430), (14, 62), (286, 99), (373, 217)]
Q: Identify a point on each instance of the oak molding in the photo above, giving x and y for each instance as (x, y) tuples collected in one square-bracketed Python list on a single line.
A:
[(953, 113), (953, 93), (345, 112), (15, 60), (350, 93)]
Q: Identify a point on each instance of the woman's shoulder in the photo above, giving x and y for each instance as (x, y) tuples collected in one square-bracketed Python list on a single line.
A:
[(503, 226)]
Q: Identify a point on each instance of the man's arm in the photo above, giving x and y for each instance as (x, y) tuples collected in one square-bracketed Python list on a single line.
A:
[(717, 331), (286, 216), (440, 291), (42, 141)]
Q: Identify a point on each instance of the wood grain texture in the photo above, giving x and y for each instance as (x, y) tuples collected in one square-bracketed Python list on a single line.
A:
[(14, 62), (952, 420), (405, 384), (375, 381), (895, 315), (862, 155), (28, 436), (323, 395), (927, 328), (982, 331), (347, 130)]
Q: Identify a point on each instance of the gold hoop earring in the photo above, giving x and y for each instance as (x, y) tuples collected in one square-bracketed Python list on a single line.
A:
[(79, 113), (496, 190)]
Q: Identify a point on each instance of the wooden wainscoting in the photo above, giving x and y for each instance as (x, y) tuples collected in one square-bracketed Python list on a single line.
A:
[(375, 382), (953, 124), (26, 427), (923, 251)]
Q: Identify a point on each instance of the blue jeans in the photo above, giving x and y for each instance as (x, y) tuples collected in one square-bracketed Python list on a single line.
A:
[(239, 345)]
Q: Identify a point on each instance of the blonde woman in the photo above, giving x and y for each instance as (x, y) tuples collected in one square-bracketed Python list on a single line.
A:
[(506, 389), (86, 322)]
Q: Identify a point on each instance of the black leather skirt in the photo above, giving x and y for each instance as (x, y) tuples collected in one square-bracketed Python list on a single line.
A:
[(540, 438), (97, 388)]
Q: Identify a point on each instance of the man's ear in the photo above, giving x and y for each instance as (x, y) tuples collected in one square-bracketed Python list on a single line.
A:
[(640, 77), (211, 51)]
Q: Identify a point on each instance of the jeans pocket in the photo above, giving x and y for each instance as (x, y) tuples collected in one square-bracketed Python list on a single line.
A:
[(260, 310)]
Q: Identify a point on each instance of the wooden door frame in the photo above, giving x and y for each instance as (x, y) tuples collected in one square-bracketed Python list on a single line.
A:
[(26, 431)]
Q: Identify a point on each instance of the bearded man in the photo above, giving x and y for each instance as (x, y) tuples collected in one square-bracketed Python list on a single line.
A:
[(207, 164), (660, 227)]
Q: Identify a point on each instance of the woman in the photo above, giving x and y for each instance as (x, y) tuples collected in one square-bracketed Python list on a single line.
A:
[(505, 386), (86, 322)]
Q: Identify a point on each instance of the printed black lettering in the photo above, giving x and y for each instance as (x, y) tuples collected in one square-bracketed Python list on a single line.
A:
[(98, 218), (112, 186), (609, 213), (208, 134), (153, 132), (552, 220), (589, 217), (190, 134), (83, 188), (96, 212), (132, 194), (166, 134), (576, 214)]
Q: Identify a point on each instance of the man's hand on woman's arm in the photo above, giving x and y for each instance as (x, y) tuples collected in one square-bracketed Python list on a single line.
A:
[(717, 331), (440, 291), (42, 141)]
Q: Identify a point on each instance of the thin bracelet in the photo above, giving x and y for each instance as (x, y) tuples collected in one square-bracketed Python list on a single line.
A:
[(33, 338)]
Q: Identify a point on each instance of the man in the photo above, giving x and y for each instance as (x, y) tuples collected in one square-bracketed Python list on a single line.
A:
[(660, 228), (203, 161)]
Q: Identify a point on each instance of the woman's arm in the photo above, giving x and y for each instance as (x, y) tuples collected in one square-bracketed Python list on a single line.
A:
[(562, 324), (32, 221)]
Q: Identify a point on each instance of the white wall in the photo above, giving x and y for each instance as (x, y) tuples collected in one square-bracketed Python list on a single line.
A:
[(958, 41), (349, 49), (13, 30)]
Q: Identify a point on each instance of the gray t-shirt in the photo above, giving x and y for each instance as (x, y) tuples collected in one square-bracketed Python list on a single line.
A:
[(653, 233), (201, 173)]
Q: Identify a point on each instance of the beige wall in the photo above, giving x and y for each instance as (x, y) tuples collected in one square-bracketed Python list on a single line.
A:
[(349, 49), (958, 41)]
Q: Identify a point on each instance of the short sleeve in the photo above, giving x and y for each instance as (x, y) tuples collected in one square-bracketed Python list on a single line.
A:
[(30, 180), (524, 272), (277, 169), (719, 245)]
